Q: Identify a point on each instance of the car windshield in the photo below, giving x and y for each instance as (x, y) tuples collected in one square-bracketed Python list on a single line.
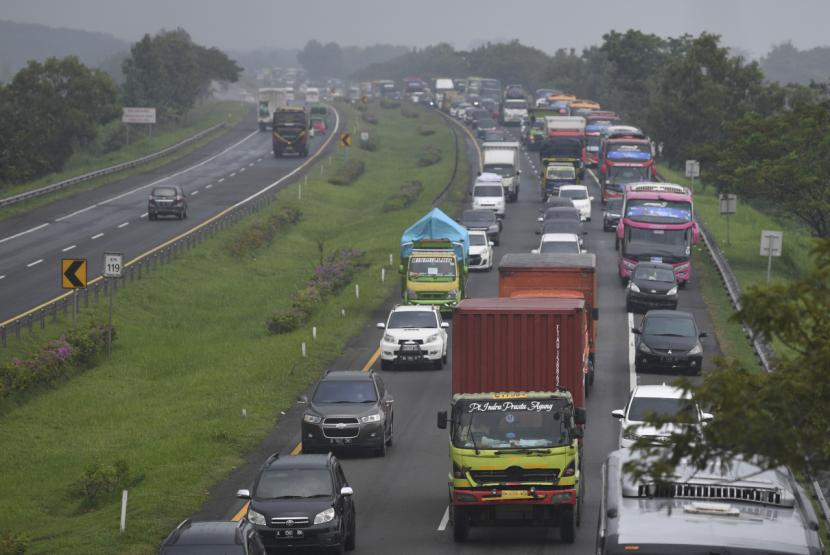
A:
[(560, 247), (516, 424), (478, 216), (675, 409), (345, 391), (488, 191), (676, 327), (574, 194), (432, 267), (561, 226), (412, 319), (478, 240), (292, 483), (563, 213), (561, 173), (654, 274), (164, 192), (657, 245), (504, 170), (614, 205)]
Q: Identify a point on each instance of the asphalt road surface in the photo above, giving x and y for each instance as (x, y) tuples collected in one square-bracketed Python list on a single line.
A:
[(401, 499), (113, 218)]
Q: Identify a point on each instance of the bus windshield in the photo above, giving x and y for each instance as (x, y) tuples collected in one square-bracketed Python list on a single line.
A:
[(637, 151), (657, 245), (658, 211)]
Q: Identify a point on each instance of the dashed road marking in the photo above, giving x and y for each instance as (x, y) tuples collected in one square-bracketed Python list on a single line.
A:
[(221, 179), (444, 520), (232, 175), (194, 193), (242, 170), (69, 248), (143, 215), (35, 263), (97, 236), (125, 224), (41, 226), (209, 185)]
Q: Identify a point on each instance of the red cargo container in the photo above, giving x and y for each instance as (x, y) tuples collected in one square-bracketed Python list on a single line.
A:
[(503, 345)]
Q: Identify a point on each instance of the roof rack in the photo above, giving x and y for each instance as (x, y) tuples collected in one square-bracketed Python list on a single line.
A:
[(755, 493)]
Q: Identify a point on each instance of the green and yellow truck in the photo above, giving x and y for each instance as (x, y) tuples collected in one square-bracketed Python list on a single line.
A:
[(517, 414), (435, 253)]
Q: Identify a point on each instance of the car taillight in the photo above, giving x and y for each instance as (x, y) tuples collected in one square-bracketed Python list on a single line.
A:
[(178, 200)]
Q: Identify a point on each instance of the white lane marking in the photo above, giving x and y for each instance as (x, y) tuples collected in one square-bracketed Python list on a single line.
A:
[(250, 164), (259, 159), (209, 185), (221, 179), (69, 248), (232, 175), (444, 519), (143, 215), (194, 193), (632, 373), (35, 263), (125, 224), (97, 236), (180, 172), (242, 170), (15, 236), (3, 277)]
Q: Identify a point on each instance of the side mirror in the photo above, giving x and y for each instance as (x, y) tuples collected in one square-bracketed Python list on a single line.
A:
[(591, 198), (243, 493), (618, 413), (346, 490), (445, 325), (534, 251), (442, 420), (580, 416), (303, 399), (540, 219), (635, 331), (595, 314), (703, 334), (492, 244), (707, 417), (380, 325), (537, 232), (518, 172)]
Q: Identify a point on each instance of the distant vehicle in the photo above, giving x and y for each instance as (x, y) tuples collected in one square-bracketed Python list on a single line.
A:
[(414, 334), (570, 213), (668, 340), (301, 501), (290, 132), (555, 176), (496, 136), (484, 125), (563, 226), (559, 243), (488, 193), (652, 285), (483, 220), (738, 510), (219, 536), (513, 111), (534, 134), (619, 176), (558, 202), (268, 100), (167, 200), (348, 410), (512, 92), (502, 158), (312, 95), (481, 251), (658, 400), (579, 196), (611, 214)]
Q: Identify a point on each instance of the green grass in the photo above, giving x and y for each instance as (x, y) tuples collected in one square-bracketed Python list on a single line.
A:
[(202, 117), (192, 354)]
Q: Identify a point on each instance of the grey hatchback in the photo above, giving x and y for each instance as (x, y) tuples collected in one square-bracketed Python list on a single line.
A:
[(167, 200)]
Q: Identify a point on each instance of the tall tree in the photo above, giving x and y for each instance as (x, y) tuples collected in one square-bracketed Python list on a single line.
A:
[(322, 61)]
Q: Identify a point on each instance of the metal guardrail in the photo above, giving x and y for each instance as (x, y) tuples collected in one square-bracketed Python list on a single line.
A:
[(106, 171)]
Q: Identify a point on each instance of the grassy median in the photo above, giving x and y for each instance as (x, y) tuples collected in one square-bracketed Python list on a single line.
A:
[(193, 353)]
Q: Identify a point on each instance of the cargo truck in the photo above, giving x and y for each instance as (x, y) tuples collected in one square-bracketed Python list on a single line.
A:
[(502, 158), (517, 416), (290, 131), (563, 276), (435, 254), (269, 99)]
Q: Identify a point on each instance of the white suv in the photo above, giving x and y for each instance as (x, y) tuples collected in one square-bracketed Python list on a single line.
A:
[(578, 194), (481, 251), (414, 334), (662, 400), (559, 243), (488, 194)]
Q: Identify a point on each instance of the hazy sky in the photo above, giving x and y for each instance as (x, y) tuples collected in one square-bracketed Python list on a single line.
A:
[(753, 25)]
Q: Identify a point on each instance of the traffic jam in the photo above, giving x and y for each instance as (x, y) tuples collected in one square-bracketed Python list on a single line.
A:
[(523, 363)]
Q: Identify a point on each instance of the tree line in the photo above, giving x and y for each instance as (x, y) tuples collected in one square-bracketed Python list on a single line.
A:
[(53, 108)]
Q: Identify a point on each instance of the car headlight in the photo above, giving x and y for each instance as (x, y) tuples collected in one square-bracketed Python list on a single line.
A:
[(432, 338), (493, 228), (256, 518), (311, 418), (388, 338), (696, 350), (633, 287), (369, 418), (452, 294), (324, 516), (630, 433), (672, 291), (644, 348), (411, 294)]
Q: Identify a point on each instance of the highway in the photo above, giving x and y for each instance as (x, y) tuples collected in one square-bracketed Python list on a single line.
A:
[(113, 218), (401, 499)]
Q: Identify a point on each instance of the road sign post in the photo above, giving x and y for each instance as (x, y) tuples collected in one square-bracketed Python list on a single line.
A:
[(73, 276), (692, 171), (345, 142), (113, 269), (728, 206), (771, 245)]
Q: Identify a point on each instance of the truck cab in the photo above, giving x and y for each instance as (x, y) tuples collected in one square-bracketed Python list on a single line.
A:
[(502, 158), (433, 275)]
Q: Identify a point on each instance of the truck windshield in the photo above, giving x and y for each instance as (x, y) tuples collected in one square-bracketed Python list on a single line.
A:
[(621, 174), (504, 170), (657, 245), (560, 173), (289, 118), (515, 424), (263, 108), (431, 267), (658, 211), (638, 151), (515, 105), (592, 144)]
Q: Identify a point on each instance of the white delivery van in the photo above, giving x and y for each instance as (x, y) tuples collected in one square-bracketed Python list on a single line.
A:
[(513, 111), (503, 159), (488, 193)]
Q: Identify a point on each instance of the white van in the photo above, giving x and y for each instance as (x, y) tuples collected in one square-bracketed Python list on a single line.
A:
[(488, 194), (503, 159)]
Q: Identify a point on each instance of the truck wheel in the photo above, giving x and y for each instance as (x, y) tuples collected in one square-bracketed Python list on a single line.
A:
[(460, 525), (567, 524), (586, 385)]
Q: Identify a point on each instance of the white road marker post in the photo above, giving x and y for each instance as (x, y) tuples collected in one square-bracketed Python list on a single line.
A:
[(303, 348), (123, 511), (356, 291), (382, 275), (314, 332)]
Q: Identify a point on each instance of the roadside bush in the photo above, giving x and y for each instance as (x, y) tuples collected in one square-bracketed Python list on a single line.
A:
[(260, 233), (101, 483), (333, 274), (429, 156), (371, 145), (408, 112), (389, 104), (409, 193), (12, 543), (370, 118), (347, 172), (426, 131), (360, 107)]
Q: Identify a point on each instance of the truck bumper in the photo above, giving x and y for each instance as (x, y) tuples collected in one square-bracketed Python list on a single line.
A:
[(519, 496)]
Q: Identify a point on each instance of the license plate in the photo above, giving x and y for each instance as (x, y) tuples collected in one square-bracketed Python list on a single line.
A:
[(341, 440), (283, 534), (410, 348), (514, 494), (657, 259)]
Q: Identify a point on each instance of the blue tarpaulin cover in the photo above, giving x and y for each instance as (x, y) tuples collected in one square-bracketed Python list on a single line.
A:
[(437, 225)]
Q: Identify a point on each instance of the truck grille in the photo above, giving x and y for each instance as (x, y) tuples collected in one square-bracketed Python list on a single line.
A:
[(432, 296), (341, 427), (515, 474), (715, 492)]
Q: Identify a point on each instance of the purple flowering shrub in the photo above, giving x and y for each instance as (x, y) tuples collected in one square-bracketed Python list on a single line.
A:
[(262, 232)]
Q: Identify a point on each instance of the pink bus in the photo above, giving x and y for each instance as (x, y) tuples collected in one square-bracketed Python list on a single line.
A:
[(657, 225)]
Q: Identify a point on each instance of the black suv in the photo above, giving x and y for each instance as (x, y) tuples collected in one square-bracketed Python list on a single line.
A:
[(668, 340), (213, 537), (302, 501), (167, 200), (348, 409), (652, 285), (485, 220), (611, 214)]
